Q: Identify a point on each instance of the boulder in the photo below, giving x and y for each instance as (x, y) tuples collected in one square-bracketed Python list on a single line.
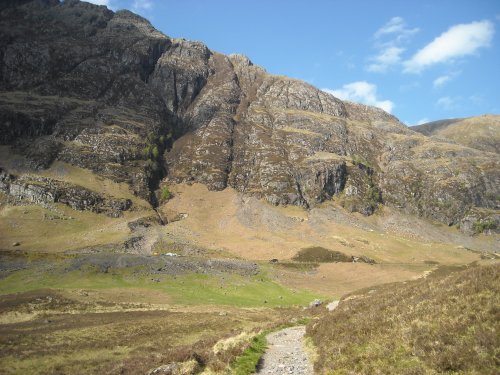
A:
[(316, 303)]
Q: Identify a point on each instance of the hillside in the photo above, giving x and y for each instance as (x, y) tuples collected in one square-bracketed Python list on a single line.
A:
[(440, 324), (482, 132)]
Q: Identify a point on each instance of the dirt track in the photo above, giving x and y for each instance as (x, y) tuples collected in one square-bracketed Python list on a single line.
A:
[(286, 354)]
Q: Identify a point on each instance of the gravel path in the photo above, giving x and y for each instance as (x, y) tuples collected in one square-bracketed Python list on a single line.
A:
[(286, 354)]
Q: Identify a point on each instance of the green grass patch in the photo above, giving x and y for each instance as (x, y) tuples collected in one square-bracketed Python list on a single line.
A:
[(26, 280), (482, 225), (165, 194), (246, 363), (188, 289), (255, 291)]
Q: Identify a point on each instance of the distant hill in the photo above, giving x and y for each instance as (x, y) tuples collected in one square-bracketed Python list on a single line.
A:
[(481, 132)]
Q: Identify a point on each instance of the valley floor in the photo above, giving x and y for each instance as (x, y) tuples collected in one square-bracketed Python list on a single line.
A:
[(89, 294)]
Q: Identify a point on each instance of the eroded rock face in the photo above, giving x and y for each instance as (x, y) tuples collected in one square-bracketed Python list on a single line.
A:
[(43, 191), (107, 92)]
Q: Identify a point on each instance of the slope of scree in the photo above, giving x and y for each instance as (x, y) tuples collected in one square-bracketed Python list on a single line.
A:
[(107, 92)]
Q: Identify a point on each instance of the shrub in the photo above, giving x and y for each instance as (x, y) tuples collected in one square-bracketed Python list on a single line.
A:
[(321, 255), (146, 151), (165, 194), (155, 153), (482, 225)]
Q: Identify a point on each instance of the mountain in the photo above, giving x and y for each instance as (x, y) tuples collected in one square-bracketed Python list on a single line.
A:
[(481, 132), (107, 92)]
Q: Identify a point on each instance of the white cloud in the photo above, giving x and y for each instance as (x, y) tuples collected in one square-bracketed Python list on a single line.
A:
[(396, 25), (139, 5), (458, 41), (446, 103), (98, 2), (445, 78), (410, 86), (386, 57), (388, 41), (441, 80), (363, 92)]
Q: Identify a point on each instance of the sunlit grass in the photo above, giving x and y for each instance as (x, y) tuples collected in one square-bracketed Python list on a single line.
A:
[(187, 289)]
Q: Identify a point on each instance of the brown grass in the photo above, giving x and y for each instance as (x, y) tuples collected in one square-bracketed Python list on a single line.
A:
[(445, 323), (251, 229), (337, 279), (70, 339)]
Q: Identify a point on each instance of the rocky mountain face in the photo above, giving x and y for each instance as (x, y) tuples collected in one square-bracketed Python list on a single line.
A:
[(107, 92)]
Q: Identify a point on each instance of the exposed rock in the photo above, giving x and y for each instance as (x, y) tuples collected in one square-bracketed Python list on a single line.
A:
[(362, 259), (332, 305), (480, 221), (40, 152), (162, 265), (43, 191), (316, 303), (143, 223), (79, 72), (177, 368), (134, 244)]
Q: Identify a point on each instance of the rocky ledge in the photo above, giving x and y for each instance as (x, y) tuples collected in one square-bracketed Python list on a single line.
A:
[(43, 191)]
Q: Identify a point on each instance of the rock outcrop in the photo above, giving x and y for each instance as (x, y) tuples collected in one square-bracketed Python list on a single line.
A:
[(43, 191), (107, 92)]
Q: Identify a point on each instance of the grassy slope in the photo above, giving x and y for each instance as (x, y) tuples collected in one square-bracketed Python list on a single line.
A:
[(441, 324), (480, 132), (58, 228)]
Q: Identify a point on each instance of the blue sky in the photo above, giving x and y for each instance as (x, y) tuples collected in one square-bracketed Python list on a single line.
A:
[(421, 60)]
